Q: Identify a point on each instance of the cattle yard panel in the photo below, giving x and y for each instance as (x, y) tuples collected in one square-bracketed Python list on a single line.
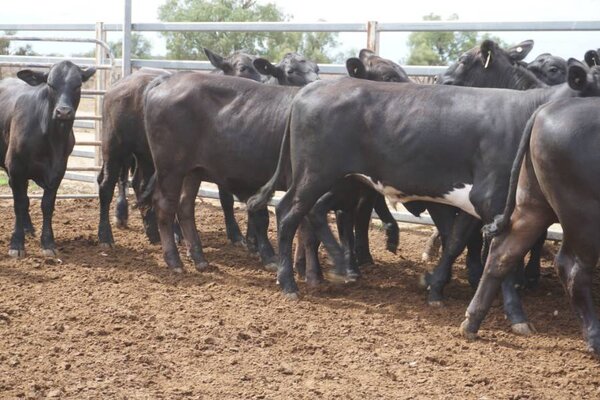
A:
[(372, 29)]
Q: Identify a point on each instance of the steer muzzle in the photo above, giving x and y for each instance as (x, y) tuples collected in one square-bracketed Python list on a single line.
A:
[(64, 113)]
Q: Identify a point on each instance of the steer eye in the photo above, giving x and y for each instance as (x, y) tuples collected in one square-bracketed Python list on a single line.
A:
[(243, 68), (291, 70), (553, 69)]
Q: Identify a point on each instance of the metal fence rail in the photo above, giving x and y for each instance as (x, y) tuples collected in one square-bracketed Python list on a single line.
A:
[(372, 29)]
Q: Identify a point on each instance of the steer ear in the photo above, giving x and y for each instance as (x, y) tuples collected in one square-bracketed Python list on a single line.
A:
[(365, 53), (34, 78), (591, 58), (577, 75), (265, 67), (87, 73), (487, 48), (356, 68), (216, 60), (520, 51)]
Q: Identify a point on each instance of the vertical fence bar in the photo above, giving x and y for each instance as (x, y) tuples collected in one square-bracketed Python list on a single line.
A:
[(100, 85), (373, 36), (126, 68)]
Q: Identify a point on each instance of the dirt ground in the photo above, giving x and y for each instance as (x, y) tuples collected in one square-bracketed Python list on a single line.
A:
[(117, 324)]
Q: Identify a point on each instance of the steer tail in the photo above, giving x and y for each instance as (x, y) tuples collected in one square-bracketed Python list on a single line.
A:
[(502, 221), (264, 194), (145, 200)]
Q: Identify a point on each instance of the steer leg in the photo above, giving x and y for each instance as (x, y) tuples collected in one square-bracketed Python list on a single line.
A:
[(121, 206), (528, 222), (290, 211), (166, 201), (107, 179), (18, 184), (187, 221), (47, 238), (260, 220), (310, 245), (144, 169), (389, 222), (362, 220), (575, 269), (463, 227), (474, 263), (231, 226), (27, 224), (345, 223), (533, 267), (251, 239), (318, 221)]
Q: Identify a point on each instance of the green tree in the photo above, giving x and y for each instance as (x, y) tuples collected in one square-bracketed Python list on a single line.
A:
[(441, 48), (272, 45), (140, 47)]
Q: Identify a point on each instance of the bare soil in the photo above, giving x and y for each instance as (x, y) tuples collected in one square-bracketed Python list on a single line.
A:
[(117, 324)]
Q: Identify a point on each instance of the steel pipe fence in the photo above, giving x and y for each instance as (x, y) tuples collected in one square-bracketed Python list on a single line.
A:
[(371, 28)]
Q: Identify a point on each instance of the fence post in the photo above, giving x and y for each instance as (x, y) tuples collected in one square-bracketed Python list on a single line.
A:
[(100, 85), (373, 36), (126, 59)]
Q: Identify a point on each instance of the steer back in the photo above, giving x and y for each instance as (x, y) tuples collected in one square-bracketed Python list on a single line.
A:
[(446, 144), (192, 119)]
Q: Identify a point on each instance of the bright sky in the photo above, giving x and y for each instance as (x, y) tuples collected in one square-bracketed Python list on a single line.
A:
[(393, 45)]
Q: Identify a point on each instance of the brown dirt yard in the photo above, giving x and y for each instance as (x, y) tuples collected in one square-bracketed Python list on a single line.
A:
[(117, 324)]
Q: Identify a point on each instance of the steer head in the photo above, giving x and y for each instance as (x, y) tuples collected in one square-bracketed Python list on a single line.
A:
[(237, 64), (63, 85), (488, 65), (370, 66), (549, 69), (592, 59), (583, 79), (293, 70)]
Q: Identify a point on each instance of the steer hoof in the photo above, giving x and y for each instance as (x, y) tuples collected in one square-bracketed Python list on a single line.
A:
[(106, 245), (435, 303), (49, 252), (16, 253), (335, 278), (424, 281), (271, 267), (523, 329), (121, 223), (293, 296), (464, 332), (202, 266), (239, 243), (177, 270)]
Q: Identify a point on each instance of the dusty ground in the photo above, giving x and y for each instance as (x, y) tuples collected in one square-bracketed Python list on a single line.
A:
[(117, 324)]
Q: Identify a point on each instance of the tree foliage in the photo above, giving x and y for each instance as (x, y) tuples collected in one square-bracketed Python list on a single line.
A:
[(272, 45), (441, 48), (25, 50), (140, 47)]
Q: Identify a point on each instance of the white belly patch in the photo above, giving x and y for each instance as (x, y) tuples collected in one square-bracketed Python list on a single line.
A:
[(457, 197)]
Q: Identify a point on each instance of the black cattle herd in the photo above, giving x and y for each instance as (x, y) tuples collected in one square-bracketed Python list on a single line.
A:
[(498, 146)]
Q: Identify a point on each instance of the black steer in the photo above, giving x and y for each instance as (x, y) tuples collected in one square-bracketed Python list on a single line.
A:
[(124, 139), (552, 70), (372, 67), (293, 70), (451, 145), (36, 121), (557, 172), (486, 65)]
